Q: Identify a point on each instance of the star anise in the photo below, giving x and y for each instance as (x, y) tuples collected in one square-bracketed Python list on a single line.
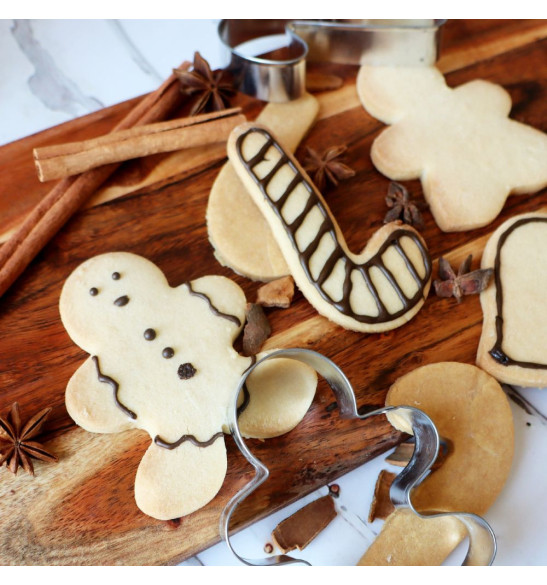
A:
[(462, 283), (327, 166), (401, 206), (16, 444), (211, 90)]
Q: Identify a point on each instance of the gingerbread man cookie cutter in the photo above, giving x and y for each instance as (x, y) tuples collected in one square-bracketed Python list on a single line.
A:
[(481, 538), (268, 57)]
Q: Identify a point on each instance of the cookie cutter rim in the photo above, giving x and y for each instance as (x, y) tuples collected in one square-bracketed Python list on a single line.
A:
[(482, 544), (340, 41)]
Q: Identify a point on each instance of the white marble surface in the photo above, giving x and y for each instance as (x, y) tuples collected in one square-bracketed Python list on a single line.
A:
[(55, 70)]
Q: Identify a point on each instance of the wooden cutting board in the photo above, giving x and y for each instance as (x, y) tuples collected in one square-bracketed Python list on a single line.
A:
[(82, 510)]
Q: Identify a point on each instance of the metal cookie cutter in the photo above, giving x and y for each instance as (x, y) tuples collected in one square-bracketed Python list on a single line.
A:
[(268, 57), (481, 538)]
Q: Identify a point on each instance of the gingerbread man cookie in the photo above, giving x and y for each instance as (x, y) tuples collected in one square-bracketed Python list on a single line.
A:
[(460, 142), (162, 360)]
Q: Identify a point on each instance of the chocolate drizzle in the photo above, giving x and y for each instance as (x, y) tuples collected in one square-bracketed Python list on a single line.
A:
[(186, 438), (338, 254), (497, 351), (214, 310), (115, 387)]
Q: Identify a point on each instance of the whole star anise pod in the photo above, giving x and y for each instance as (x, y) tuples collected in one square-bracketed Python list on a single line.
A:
[(327, 166), (16, 444), (462, 283), (211, 90), (402, 207)]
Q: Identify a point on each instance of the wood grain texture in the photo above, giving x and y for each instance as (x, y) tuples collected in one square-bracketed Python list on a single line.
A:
[(82, 510)]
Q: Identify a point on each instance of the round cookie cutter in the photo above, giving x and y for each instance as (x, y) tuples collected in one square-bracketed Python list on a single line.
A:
[(268, 57), (481, 539)]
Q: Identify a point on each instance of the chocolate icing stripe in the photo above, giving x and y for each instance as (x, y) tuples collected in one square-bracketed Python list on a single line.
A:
[(497, 351), (186, 439), (259, 156), (115, 388), (292, 186), (328, 226), (215, 311)]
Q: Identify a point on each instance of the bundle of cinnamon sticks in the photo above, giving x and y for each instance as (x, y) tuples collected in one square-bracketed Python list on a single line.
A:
[(86, 165)]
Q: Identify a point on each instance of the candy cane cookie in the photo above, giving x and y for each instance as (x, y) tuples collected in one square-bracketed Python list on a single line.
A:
[(377, 290)]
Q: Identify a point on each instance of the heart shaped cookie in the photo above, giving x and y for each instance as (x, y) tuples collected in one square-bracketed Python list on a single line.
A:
[(377, 290), (513, 343)]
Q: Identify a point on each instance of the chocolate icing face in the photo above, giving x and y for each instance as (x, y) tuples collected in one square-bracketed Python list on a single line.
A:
[(352, 270), (497, 351)]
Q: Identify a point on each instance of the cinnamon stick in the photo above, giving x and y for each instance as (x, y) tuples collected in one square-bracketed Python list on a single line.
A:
[(58, 161), (45, 220)]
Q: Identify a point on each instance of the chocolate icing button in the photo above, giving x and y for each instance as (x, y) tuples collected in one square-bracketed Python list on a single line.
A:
[(268, 56), (482, 541)]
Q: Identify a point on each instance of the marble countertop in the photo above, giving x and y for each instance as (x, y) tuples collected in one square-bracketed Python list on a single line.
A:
[(56, 70)]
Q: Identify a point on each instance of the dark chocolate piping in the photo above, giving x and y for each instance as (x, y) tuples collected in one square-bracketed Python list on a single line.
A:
[(115, 387), (186, 438), (246, 394), (327, 226), (497, 351), (121, 301), (215, 311)]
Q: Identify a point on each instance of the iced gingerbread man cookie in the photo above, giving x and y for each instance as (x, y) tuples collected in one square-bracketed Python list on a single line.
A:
[(162, 360), (460, 142), (513, 344)]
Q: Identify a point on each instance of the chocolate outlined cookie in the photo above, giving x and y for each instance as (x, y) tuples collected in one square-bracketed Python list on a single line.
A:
[(377, 290), (513, 343), (162, 360)]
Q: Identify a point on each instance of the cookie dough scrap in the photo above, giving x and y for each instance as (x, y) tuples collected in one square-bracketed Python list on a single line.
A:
[(237, 230), (472, 413), (162, 360), (469, 155), (377, 290), (513, 343)]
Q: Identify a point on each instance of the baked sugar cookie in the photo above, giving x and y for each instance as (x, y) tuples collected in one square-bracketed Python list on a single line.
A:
[(460, 142), (513, 343), (472, 414), (162, 360), (237, 230), (379, 289)]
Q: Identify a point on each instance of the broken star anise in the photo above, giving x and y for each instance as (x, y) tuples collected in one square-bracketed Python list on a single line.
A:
[(402, 207), (16, 440), (327, 166), (462, 283), (211, 90)]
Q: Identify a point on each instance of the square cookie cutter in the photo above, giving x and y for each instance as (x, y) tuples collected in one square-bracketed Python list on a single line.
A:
[(268, 57), (481, 539)]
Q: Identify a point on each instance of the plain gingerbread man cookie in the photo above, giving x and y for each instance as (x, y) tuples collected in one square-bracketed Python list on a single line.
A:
[(162, 360), (460, 142)]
